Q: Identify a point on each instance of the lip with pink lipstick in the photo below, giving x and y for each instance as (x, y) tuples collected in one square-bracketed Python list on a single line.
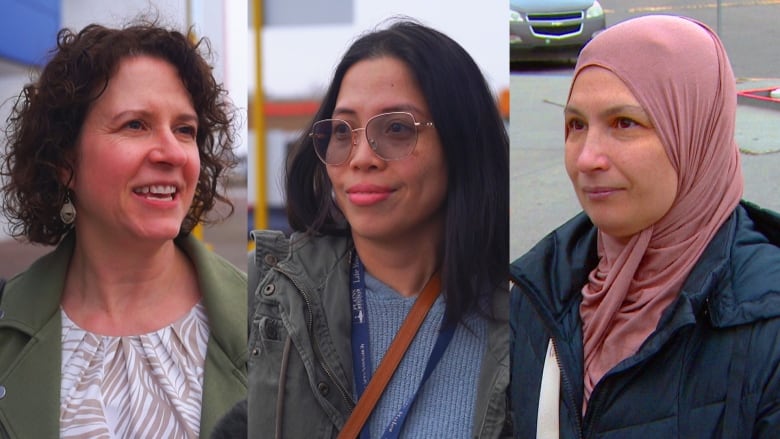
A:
[(368, 194), (157, 193)]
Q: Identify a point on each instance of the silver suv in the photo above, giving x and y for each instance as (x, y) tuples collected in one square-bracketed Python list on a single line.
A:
[(541, 30)]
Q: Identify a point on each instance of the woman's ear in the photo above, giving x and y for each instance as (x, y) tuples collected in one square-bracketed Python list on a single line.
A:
[(66, 174)]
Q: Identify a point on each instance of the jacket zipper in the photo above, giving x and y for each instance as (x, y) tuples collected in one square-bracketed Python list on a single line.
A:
[(309, 326), (567, 385), (564, 378)]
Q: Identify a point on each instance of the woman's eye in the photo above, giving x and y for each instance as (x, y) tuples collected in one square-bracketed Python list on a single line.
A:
[(575, 124), (625, 122), (342, 131), (399, 129), (135, 125), (189, 131)]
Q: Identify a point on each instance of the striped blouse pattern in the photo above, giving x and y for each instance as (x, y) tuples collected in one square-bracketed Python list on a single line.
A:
[(139, 386)]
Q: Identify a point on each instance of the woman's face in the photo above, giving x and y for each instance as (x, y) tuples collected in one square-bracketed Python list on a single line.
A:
[(388, 200), (137, 160), (614, 157)]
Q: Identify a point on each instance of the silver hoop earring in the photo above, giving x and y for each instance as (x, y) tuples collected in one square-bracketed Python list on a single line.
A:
[(68, 211)]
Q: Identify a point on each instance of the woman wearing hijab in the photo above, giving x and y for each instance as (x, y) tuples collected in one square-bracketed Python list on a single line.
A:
[(400, 188), (656, 312)]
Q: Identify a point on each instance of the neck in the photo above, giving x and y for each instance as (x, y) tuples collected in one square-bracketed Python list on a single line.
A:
[(116, 292), (406, 268)]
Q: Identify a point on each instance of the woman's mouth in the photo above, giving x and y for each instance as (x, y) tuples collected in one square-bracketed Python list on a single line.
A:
[(368, 194), (599, 192), (157, 192)]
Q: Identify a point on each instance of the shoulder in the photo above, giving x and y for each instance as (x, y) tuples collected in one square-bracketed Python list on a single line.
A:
[(756, 236), (296, 252), (570, 245), (30, 346), (746, 306), (224, 291), (766, 221), (745, 268), (554, 270), (212, 269), (31, 297), (305, 261)]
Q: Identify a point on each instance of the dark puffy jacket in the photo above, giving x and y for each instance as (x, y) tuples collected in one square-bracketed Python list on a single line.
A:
[(711, 369)]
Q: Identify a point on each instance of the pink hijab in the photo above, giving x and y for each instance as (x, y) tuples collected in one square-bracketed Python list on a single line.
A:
[(678, 70)]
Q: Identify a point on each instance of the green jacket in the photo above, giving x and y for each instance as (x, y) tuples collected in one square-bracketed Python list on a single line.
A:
[(300, 367), (30, 337)]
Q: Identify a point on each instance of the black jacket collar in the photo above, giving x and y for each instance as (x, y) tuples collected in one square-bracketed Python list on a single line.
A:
[(737, 278)]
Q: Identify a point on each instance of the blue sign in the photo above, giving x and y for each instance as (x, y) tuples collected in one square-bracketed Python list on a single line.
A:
[(28, 30)]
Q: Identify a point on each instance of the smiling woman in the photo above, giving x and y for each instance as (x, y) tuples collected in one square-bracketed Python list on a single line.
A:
[(398, 196), (143, 128), (393, 199), (130, 327)]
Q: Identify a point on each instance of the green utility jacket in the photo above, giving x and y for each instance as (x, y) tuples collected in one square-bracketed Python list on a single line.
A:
[(300, 367), (31, 351)]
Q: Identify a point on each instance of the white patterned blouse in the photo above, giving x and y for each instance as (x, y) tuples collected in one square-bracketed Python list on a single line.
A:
[(138, 386)]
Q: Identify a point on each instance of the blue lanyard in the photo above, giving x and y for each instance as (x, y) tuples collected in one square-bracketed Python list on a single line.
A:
[(361, 350)]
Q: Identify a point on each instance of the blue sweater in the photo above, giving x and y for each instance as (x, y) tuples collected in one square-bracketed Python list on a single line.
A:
[(445, 404)]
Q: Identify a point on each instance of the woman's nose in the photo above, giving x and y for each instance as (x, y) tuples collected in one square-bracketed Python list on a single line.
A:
[(363, 155), (592, 154), (168, 149)]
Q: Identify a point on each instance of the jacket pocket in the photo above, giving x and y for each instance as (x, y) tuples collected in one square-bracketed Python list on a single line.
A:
[(267, 350)]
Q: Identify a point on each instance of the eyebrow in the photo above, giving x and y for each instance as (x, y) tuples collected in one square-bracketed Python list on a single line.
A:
[(181, 117), (611, 111), (188, 117), (408, 108)]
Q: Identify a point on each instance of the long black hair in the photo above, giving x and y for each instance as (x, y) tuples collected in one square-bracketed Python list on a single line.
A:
[(476, 149)]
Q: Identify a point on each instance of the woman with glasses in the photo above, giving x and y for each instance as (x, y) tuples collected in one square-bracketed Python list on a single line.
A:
[(400, 186)]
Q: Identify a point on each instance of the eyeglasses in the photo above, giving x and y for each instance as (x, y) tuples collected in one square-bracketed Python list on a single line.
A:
[(392, 136)]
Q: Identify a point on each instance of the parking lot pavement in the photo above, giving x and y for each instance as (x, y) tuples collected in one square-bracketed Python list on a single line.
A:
[(227, 239), (541, 195)]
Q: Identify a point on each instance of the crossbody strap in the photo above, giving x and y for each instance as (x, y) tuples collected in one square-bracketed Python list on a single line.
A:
[(376, 386)]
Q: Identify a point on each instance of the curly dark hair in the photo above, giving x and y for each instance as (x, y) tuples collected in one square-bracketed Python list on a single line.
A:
[(48, 114)]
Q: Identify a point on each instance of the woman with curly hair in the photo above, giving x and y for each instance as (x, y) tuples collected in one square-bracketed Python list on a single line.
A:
[(130, 327)]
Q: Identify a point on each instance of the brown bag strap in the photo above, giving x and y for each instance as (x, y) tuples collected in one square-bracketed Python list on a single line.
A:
[(392, 358)]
